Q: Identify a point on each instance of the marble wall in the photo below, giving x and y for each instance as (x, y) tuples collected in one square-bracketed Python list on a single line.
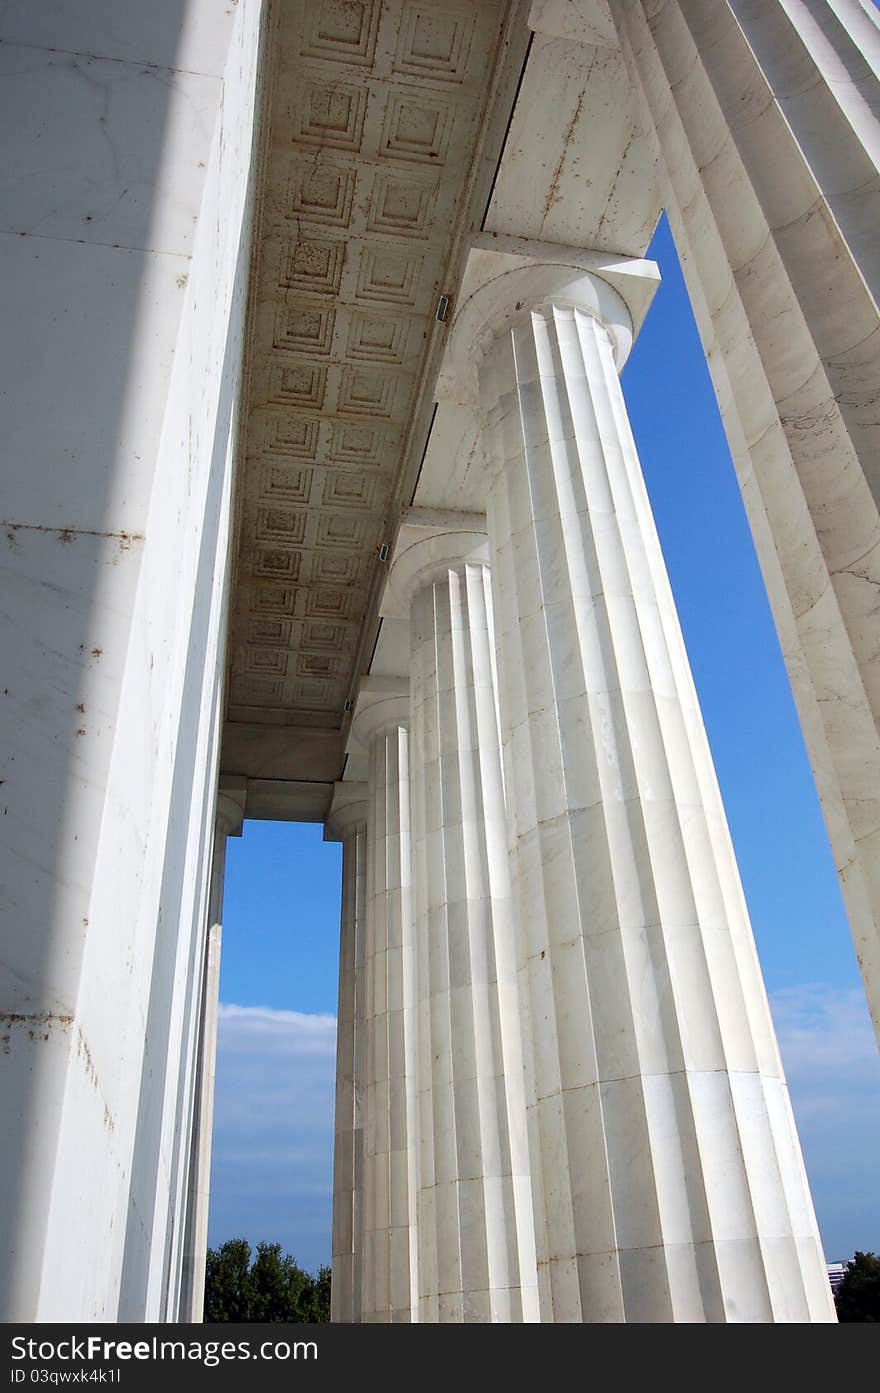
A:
[(124, 217)]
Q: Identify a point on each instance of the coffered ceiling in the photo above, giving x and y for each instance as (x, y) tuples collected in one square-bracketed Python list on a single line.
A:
[(394, 132), (374, 119)]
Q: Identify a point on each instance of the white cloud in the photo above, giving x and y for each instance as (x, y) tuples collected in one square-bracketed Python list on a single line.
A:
[(273, 1121), (265, 1029), (272, 1163), (830, 1054), (828, 1045)]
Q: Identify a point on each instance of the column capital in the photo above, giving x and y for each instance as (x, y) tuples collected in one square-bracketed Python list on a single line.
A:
[(429, 543), (348, 807), (381, 702), (578, 23), (231, 805), (506, 279)]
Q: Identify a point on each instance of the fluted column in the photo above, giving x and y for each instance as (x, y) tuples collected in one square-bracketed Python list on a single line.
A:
[(389, 1291), (770, 208), (347, 823), (475, 1223), (228, 822), (668, 1178)]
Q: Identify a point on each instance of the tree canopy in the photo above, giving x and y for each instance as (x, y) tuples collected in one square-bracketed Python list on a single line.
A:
[(269, 1288), (858, 1296)]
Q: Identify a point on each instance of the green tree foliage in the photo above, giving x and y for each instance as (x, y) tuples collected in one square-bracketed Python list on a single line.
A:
[(858, 1296), (269, 1288)]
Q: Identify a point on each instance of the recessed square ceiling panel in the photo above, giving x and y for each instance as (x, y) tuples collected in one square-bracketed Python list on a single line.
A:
[(375, 113)]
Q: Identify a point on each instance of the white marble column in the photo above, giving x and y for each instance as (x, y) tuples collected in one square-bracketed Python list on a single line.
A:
[(389, 1268), (773, 201), (668, 1179), (347, 823), (475, 1222), (228, 822)]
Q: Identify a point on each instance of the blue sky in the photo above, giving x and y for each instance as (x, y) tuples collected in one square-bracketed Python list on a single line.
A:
[(272, 1167)]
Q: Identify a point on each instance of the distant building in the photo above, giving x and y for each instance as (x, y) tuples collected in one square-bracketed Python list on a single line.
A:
[(836, 1274)]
